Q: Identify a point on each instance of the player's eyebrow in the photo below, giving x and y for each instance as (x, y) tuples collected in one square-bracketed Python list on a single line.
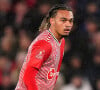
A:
[(63, 18)]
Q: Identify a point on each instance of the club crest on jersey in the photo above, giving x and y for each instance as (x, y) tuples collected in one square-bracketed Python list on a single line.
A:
[(52, 73), (40, 54)]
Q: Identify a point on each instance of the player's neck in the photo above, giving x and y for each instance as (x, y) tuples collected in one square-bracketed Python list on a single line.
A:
[(56, 35)]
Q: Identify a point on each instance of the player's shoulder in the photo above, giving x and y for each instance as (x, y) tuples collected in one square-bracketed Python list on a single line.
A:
[(45, 35), (42, 42), (40, 45)]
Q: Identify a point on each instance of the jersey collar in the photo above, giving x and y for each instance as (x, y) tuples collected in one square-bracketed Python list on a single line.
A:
[(59, 43)]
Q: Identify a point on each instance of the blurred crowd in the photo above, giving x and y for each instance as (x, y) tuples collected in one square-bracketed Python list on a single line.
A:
[(19, 23)]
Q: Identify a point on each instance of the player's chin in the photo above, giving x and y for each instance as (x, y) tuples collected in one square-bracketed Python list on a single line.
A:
[(66, 34)]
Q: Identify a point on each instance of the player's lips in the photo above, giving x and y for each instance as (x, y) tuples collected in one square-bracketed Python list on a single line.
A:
[(67, 30)]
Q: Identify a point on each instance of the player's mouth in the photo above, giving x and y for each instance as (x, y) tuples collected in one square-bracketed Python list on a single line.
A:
[(67, 30)]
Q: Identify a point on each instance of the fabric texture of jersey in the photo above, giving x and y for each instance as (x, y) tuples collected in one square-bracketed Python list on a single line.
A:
[(42, 63)]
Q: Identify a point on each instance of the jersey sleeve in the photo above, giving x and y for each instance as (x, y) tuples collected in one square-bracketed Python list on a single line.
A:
[(40, 52), (29, 78)]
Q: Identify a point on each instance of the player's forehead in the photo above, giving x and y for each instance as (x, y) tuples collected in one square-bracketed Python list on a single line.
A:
[(64, 14)]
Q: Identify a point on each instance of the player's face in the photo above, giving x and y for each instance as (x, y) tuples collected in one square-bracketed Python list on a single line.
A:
[(63, 22)]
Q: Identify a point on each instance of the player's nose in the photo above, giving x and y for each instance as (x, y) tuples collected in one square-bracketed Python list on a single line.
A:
[(68, 24)]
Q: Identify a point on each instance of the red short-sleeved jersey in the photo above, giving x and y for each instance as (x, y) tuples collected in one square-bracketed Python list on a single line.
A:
[(42, 64)]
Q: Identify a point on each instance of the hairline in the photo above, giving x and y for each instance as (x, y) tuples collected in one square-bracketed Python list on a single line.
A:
[(56, 11)]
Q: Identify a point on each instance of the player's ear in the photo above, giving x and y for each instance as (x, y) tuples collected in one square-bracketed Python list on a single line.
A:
[(51, 21)]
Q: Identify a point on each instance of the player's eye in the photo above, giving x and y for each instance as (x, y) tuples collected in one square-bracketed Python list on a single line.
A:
[(71, 20), (63, 20)]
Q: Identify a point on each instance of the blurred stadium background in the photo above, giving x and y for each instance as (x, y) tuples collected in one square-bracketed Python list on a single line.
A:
[(19, 23)]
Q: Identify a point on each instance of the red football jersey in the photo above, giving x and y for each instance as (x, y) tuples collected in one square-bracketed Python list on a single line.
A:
[(42, 63)]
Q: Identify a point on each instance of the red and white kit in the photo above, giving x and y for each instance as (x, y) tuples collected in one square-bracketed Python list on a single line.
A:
[(42, 64)]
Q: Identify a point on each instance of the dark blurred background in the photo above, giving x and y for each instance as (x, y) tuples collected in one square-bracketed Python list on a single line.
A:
[(19, 23)]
